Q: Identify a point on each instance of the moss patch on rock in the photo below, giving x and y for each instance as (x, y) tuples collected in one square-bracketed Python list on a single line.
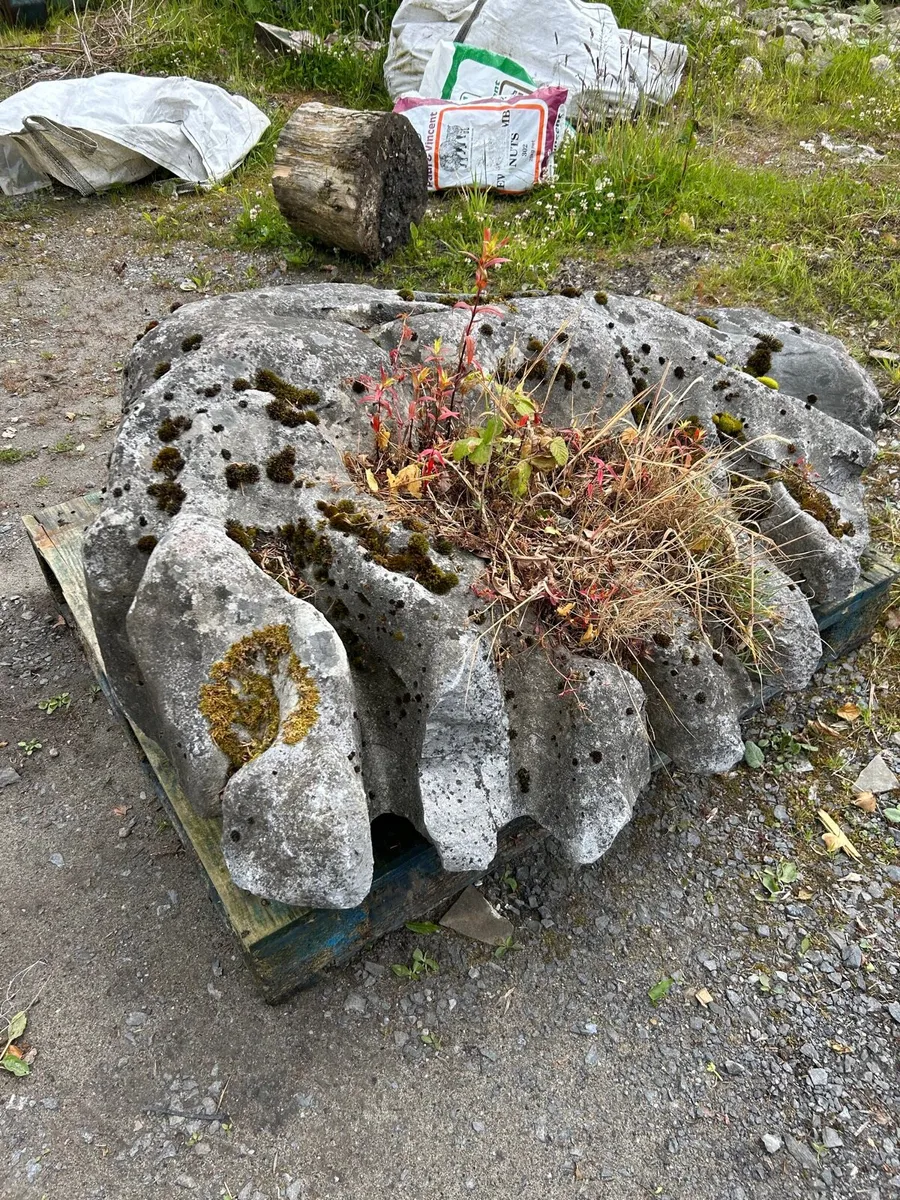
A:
[(292, 406), (287, 553), (171, 428), (240, 702), (280, 466), (812, 499), (168, 462), (169, 496), (413, 561), (237, 475)]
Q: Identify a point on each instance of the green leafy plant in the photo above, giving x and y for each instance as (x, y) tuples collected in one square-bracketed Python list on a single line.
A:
[(11, 1058), (28, 748), (422, 964), (776, 750), (753, 756), (776, 880), (423, 927), (432, 1039), (52, 703), (506, 946), (892, 814), (660, 989)]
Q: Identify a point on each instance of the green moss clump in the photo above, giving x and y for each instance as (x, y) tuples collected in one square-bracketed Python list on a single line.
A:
[(291, 398), (192, 342), (147, 544), (728, 424), (161, 368), (239, 701), (280, 466), (571, 292), (567, 375), (169, 496), (244, 535), (710, 321), (601, 297), (537, 367), (239, 474), (406, 294), (289, 415), (760, 360), (287, 552), (812, 500), (443, 545), (415, 561), (168, 462), (173, 427), (242, 385), (769, 341)]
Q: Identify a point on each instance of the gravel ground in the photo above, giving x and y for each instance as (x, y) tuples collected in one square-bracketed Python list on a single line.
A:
[(547, 1071)]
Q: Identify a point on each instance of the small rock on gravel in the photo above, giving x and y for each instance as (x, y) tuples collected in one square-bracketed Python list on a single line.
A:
[(877, 777), (802, 1155), (772, 1142)]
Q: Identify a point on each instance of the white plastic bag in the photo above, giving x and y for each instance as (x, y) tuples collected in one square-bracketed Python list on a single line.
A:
[(115, 128), (567, 43), (505, 144), (458, 71)]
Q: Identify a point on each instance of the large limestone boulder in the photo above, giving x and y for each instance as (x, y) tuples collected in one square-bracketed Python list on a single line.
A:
[(341, 671)]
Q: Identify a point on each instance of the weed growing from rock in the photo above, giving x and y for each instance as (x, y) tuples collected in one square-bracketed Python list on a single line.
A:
[(595, 537)]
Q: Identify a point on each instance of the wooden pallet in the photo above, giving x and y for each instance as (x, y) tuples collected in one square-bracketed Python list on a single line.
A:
[(288, 948)]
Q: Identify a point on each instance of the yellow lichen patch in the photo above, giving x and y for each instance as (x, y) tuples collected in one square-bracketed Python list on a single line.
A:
[(240, 704)]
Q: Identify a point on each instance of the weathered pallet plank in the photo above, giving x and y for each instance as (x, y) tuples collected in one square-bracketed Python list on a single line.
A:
[(288, 948)]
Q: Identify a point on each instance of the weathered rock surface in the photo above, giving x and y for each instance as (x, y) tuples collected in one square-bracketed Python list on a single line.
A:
[(302, 717)]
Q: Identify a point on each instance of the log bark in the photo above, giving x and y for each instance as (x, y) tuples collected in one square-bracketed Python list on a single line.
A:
[(351, 179)]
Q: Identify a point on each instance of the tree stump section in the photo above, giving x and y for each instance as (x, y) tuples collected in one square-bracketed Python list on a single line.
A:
[(356, 180)]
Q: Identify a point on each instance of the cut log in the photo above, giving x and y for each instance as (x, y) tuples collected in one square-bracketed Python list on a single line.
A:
[(356, 180)]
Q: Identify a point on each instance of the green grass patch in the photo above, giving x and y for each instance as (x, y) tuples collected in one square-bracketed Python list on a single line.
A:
[(10, 455)]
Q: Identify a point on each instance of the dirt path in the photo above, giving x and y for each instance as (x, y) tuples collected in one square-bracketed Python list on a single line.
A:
[(555, 1075)]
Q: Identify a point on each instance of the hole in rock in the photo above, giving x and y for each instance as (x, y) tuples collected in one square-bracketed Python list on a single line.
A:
[(392, 833)]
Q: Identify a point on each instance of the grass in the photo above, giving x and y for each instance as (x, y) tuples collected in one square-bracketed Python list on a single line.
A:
[(10, 455), (722, 172)]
